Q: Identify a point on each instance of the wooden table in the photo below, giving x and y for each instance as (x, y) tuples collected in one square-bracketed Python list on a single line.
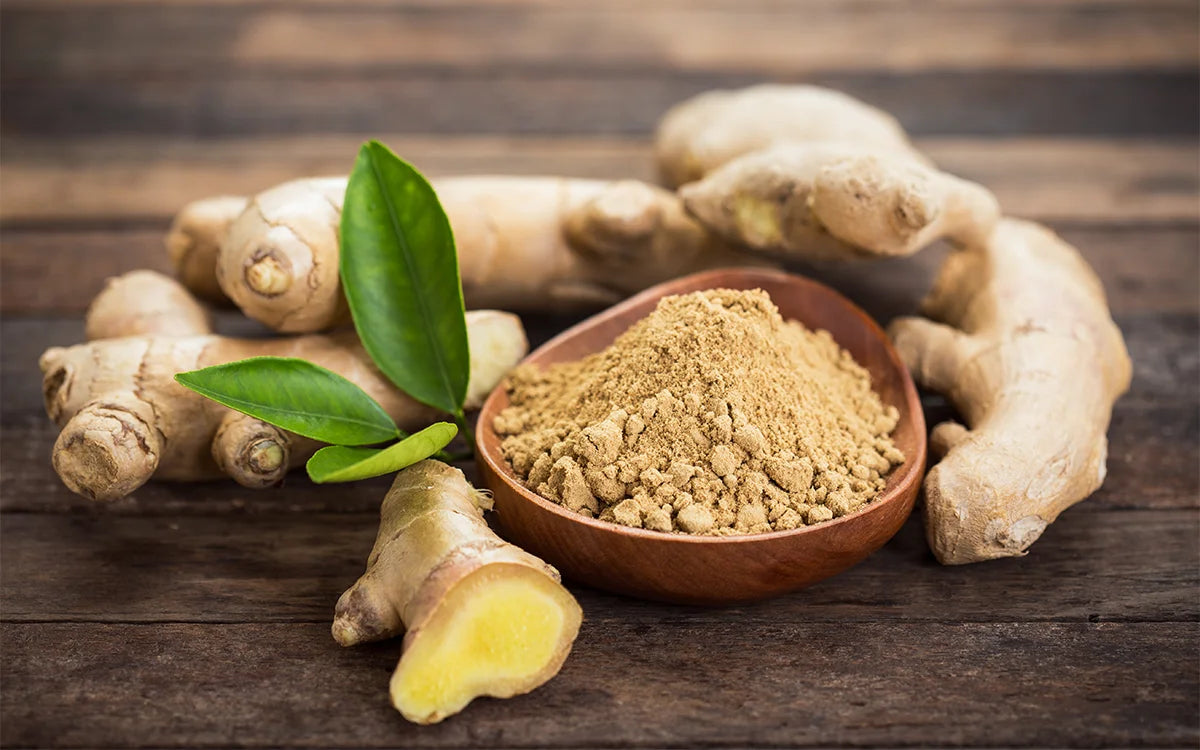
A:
[(199, 615)]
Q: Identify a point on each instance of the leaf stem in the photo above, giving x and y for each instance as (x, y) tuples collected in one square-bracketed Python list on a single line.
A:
[(468, 434)]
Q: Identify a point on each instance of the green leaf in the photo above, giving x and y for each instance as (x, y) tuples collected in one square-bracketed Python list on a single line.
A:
[(400, 275), (340, 464), (297, 396)]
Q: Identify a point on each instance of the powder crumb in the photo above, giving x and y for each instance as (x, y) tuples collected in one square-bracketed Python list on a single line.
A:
[(658, 519), (723, 461), (628, 513), (712, 415), (695, 519)]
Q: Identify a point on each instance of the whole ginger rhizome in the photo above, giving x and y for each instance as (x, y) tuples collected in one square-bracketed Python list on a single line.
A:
[(713, 415)]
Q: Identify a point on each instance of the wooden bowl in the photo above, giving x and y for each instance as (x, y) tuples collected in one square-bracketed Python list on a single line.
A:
[(703, 569)]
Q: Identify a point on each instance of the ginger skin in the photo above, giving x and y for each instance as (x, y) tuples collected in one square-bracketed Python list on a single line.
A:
[(553, 244), (805, 173), (144, 303), (827, 201), (707, 131), (1029, 355), (194, 239), (479, 615), (525, 243), (124, 419), (278, 260)]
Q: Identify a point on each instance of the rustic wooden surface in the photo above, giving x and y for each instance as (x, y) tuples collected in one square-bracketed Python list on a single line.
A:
[(198, 615)]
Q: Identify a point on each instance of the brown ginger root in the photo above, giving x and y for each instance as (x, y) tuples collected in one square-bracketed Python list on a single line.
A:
[(1030, 357), (194, 239), (555, 244), (479, 615), (251, 452), (525, 243), (278, 261), (827, 201), (125, 419), (145, 303), (802, 172), (701, 134)]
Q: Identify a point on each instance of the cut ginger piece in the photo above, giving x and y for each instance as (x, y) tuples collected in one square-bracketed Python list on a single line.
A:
[(503, 631), (480, 616)]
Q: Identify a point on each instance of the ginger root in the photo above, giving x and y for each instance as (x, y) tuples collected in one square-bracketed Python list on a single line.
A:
[(145, 303), (194, 239), (801, 172), (278, 261), (701, 134), (524, 243), (480, 616), (832, 201), (125, 419), (1030, 357)]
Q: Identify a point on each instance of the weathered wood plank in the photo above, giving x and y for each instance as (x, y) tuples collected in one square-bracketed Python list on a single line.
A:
[(60, 271), (625, 684), (1144, 268), (1154, 440), (206, 39), (1153, 454), (1162, 346), (149, 179), (292, 568), (546, 4), (152, 178), (1118, 102), (198, 615), (48, 269)]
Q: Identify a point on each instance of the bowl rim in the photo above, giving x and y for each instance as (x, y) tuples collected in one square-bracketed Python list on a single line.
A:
[(911, 471)]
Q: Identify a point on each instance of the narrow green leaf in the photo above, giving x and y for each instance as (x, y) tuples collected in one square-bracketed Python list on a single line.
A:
[(400, 275), (337, 463), (297, 396)]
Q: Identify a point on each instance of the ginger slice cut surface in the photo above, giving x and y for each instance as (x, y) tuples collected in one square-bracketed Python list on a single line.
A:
[(480, 616), (502, 631)]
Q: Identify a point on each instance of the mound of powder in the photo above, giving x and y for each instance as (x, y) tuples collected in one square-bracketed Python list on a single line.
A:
[(710, 416)]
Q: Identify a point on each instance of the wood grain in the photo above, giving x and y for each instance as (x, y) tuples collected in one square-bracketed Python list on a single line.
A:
[(250, 566), (57, 271), (788, 39), (198, 615), (542, 4), (1153, 454), (1154, 440), (148, 179), (1119, 102), (681, 684)]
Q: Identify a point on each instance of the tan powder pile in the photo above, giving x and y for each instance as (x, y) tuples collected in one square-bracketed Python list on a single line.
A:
[(711, 416)]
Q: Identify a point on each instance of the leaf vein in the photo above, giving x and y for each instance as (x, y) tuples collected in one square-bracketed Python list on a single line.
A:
[(229, 400), (427, 319)]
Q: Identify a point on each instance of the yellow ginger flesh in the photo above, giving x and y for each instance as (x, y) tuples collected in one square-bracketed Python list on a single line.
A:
[(480, 616)]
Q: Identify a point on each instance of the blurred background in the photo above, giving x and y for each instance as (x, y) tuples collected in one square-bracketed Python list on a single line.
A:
[(1082, 113)]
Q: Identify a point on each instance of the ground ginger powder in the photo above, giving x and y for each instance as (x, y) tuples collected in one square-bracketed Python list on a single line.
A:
[(710, 416)]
